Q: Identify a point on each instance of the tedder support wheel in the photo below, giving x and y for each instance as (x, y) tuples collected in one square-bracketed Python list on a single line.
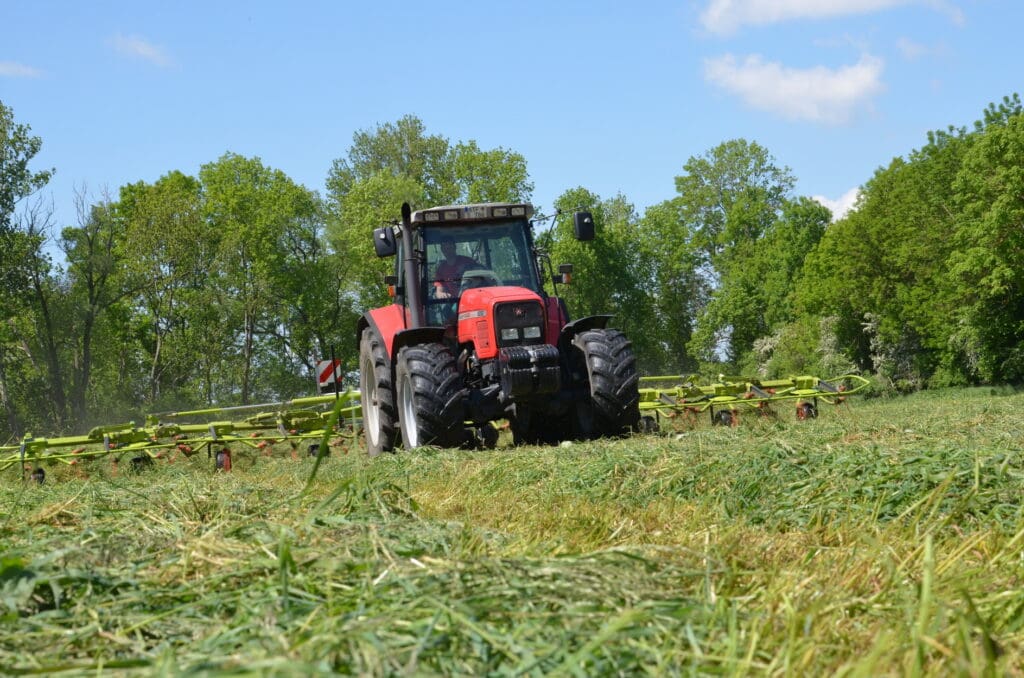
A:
[(430, 396), (377, 394), (613, 406), (806, 410), (649, 424), (486, 436), (724, 418)]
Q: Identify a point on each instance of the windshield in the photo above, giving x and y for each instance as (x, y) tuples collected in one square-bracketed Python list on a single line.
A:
[(482, 255)]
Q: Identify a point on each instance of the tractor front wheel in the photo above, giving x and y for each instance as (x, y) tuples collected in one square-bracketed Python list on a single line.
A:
[(430, 397), (376, 394), (609, 366)]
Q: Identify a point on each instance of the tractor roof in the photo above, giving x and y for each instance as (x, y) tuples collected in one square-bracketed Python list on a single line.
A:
[(488, 211)]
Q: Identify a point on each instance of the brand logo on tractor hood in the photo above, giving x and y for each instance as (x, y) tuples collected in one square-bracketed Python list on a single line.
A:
[(469, 315)]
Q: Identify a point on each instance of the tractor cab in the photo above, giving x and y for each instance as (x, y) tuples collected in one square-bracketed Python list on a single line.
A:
[(456, 249), (461, 258)]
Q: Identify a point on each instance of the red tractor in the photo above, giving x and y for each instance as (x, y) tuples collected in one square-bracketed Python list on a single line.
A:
[(473, 337)]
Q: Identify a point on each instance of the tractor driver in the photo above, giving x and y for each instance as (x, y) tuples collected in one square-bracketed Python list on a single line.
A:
[(448, 275)]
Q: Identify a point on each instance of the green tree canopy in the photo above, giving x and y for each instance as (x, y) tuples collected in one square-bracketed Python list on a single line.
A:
[(987, 261), (21, 257), (254, 208), (679, 289), (730, 195), (729, 199), (17, 149)]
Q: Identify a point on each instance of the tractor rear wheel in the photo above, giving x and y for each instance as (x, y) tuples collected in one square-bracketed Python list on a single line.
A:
[(608, 363), (430, 397), (376, 394)]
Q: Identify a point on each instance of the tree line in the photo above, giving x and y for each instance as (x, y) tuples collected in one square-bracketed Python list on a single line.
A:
[(225, 287)]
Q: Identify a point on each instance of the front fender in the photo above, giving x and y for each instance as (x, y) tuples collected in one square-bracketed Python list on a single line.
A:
[(591, 322)]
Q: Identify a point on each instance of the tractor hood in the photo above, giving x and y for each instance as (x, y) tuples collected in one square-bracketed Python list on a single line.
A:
[(492, 317)]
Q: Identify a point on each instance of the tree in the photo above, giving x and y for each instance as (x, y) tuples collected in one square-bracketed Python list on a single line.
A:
[(489, 176), (730, 196), (988, 261), (400, 149), (17, 181), (95, 285), (728, 199), (401, 154), (28, 392), (780, 341), (20, 247), (252, 207), (883, 271), (782, 253), (316, 315), (170, 249), (680, 291), (370, 203)]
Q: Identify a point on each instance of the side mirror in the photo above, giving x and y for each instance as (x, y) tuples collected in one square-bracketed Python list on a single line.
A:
[(384, 243), (583, 223)]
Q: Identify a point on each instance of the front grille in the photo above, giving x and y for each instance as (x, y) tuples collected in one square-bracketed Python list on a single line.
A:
[(519, 323)]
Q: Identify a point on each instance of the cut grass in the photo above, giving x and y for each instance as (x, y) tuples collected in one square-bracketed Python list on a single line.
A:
[(884, 537)]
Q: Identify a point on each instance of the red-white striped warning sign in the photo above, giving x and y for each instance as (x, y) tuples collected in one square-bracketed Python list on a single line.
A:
[(325, 375)]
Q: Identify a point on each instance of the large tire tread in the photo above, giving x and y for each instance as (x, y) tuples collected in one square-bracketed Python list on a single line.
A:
[(613, 380), (371, 348), (438, 394)]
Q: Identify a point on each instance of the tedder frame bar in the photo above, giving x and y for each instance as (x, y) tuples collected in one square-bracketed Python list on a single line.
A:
[(289, 421), (168, 434), (725, 399)]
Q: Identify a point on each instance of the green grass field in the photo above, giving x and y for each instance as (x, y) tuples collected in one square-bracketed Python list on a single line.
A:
[(885, 537)]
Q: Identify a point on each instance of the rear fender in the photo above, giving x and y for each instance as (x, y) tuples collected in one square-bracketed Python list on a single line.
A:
[(420, 335), (388, 322)]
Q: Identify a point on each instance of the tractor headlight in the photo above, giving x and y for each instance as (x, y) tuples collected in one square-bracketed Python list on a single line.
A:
[(510, 334), (532, 332)]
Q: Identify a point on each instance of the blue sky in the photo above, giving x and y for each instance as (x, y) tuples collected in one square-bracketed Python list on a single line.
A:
[(612, 96)]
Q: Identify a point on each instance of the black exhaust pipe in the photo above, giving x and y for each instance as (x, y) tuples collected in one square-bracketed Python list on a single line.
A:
[(410, 265)]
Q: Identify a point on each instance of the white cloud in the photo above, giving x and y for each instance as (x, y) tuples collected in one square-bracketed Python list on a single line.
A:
[(139, 48), (912, 51), (816, 94), (726, 16), (841, 205), (11, 69)]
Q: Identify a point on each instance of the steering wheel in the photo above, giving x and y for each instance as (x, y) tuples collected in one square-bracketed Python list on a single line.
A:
[(479, 277)]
